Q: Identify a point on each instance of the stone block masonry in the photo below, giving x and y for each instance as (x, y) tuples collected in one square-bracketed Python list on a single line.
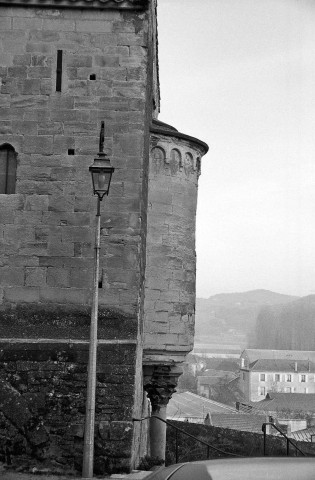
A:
[(63, 71), (42, 391), (55, 135)]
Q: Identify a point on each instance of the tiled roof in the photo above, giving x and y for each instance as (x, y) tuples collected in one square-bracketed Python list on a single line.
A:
[(212, 377), (255, 354), (78, 3), (190, 405), (226, 346), (208, 380), (215, 348), (244, 423), (302, 402), (282, 365), (211, 372), (305, 435)]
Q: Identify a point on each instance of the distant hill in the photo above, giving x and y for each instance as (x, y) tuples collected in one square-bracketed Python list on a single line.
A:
[(306, 301), (256, 297), (229, 318), (290, 326)]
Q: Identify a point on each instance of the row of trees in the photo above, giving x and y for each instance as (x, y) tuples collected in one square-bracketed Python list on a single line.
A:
[(290, 327)]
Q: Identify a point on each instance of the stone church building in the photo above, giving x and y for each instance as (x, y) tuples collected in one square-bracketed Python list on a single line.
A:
[(66, 66)]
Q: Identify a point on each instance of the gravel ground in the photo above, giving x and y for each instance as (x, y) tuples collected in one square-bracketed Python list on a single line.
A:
[(9, 475), (6, 474), (31, 476)]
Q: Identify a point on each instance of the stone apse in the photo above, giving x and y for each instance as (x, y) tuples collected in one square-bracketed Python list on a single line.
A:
[(66, 66)]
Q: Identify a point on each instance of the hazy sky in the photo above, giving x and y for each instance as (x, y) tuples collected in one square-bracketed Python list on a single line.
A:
[(240, 75)]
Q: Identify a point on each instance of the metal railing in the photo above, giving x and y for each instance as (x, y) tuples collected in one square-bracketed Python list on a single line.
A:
[(179, 430), (289, 441)]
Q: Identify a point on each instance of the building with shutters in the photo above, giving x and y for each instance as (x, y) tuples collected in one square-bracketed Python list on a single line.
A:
[(276, 371)]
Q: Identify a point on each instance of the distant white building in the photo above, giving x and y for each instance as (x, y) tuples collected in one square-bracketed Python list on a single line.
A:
[(209, 350), (282, 371)]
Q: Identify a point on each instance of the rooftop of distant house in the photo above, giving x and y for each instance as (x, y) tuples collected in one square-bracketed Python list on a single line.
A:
[(305, 435), (239, 421), (207, 348), (212, 377), (281, 365), (280, 402), (194, 408), (188, 405), (259, 354)]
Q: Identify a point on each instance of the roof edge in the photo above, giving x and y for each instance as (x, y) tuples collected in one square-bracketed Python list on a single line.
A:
[(162, 128)]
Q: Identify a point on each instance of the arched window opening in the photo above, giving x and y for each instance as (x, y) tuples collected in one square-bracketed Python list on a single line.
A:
[(189, 163), (158, 153), (158, 157), (198, 165), (7, 169), (176, 156), (176, 161)]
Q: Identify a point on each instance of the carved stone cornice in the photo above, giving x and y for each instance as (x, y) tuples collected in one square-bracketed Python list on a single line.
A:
[(160, 383), (161, 128), (94, 4)]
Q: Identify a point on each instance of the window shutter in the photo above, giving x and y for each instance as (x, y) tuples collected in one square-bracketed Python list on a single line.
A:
[(7, 169)]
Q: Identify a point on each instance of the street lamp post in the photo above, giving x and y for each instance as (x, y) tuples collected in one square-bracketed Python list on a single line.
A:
[(101, 171)]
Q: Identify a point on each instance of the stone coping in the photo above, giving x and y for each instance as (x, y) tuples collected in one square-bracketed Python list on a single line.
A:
[(66, 341), (94, 4)]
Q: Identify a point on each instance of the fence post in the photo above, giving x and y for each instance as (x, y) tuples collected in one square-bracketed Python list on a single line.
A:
[(265, 439), (208, 452), (288, 448), (176, 446)]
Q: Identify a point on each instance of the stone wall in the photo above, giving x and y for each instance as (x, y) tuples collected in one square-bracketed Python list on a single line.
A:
[(63, 71), (230, 441), (47, 226), (42, 391)]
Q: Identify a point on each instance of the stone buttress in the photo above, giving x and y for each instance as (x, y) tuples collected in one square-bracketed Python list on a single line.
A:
[(169, 307)]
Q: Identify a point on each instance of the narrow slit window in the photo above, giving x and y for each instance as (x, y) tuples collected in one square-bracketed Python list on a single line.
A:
[(59, 71), (7, 169), (100, 280)]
